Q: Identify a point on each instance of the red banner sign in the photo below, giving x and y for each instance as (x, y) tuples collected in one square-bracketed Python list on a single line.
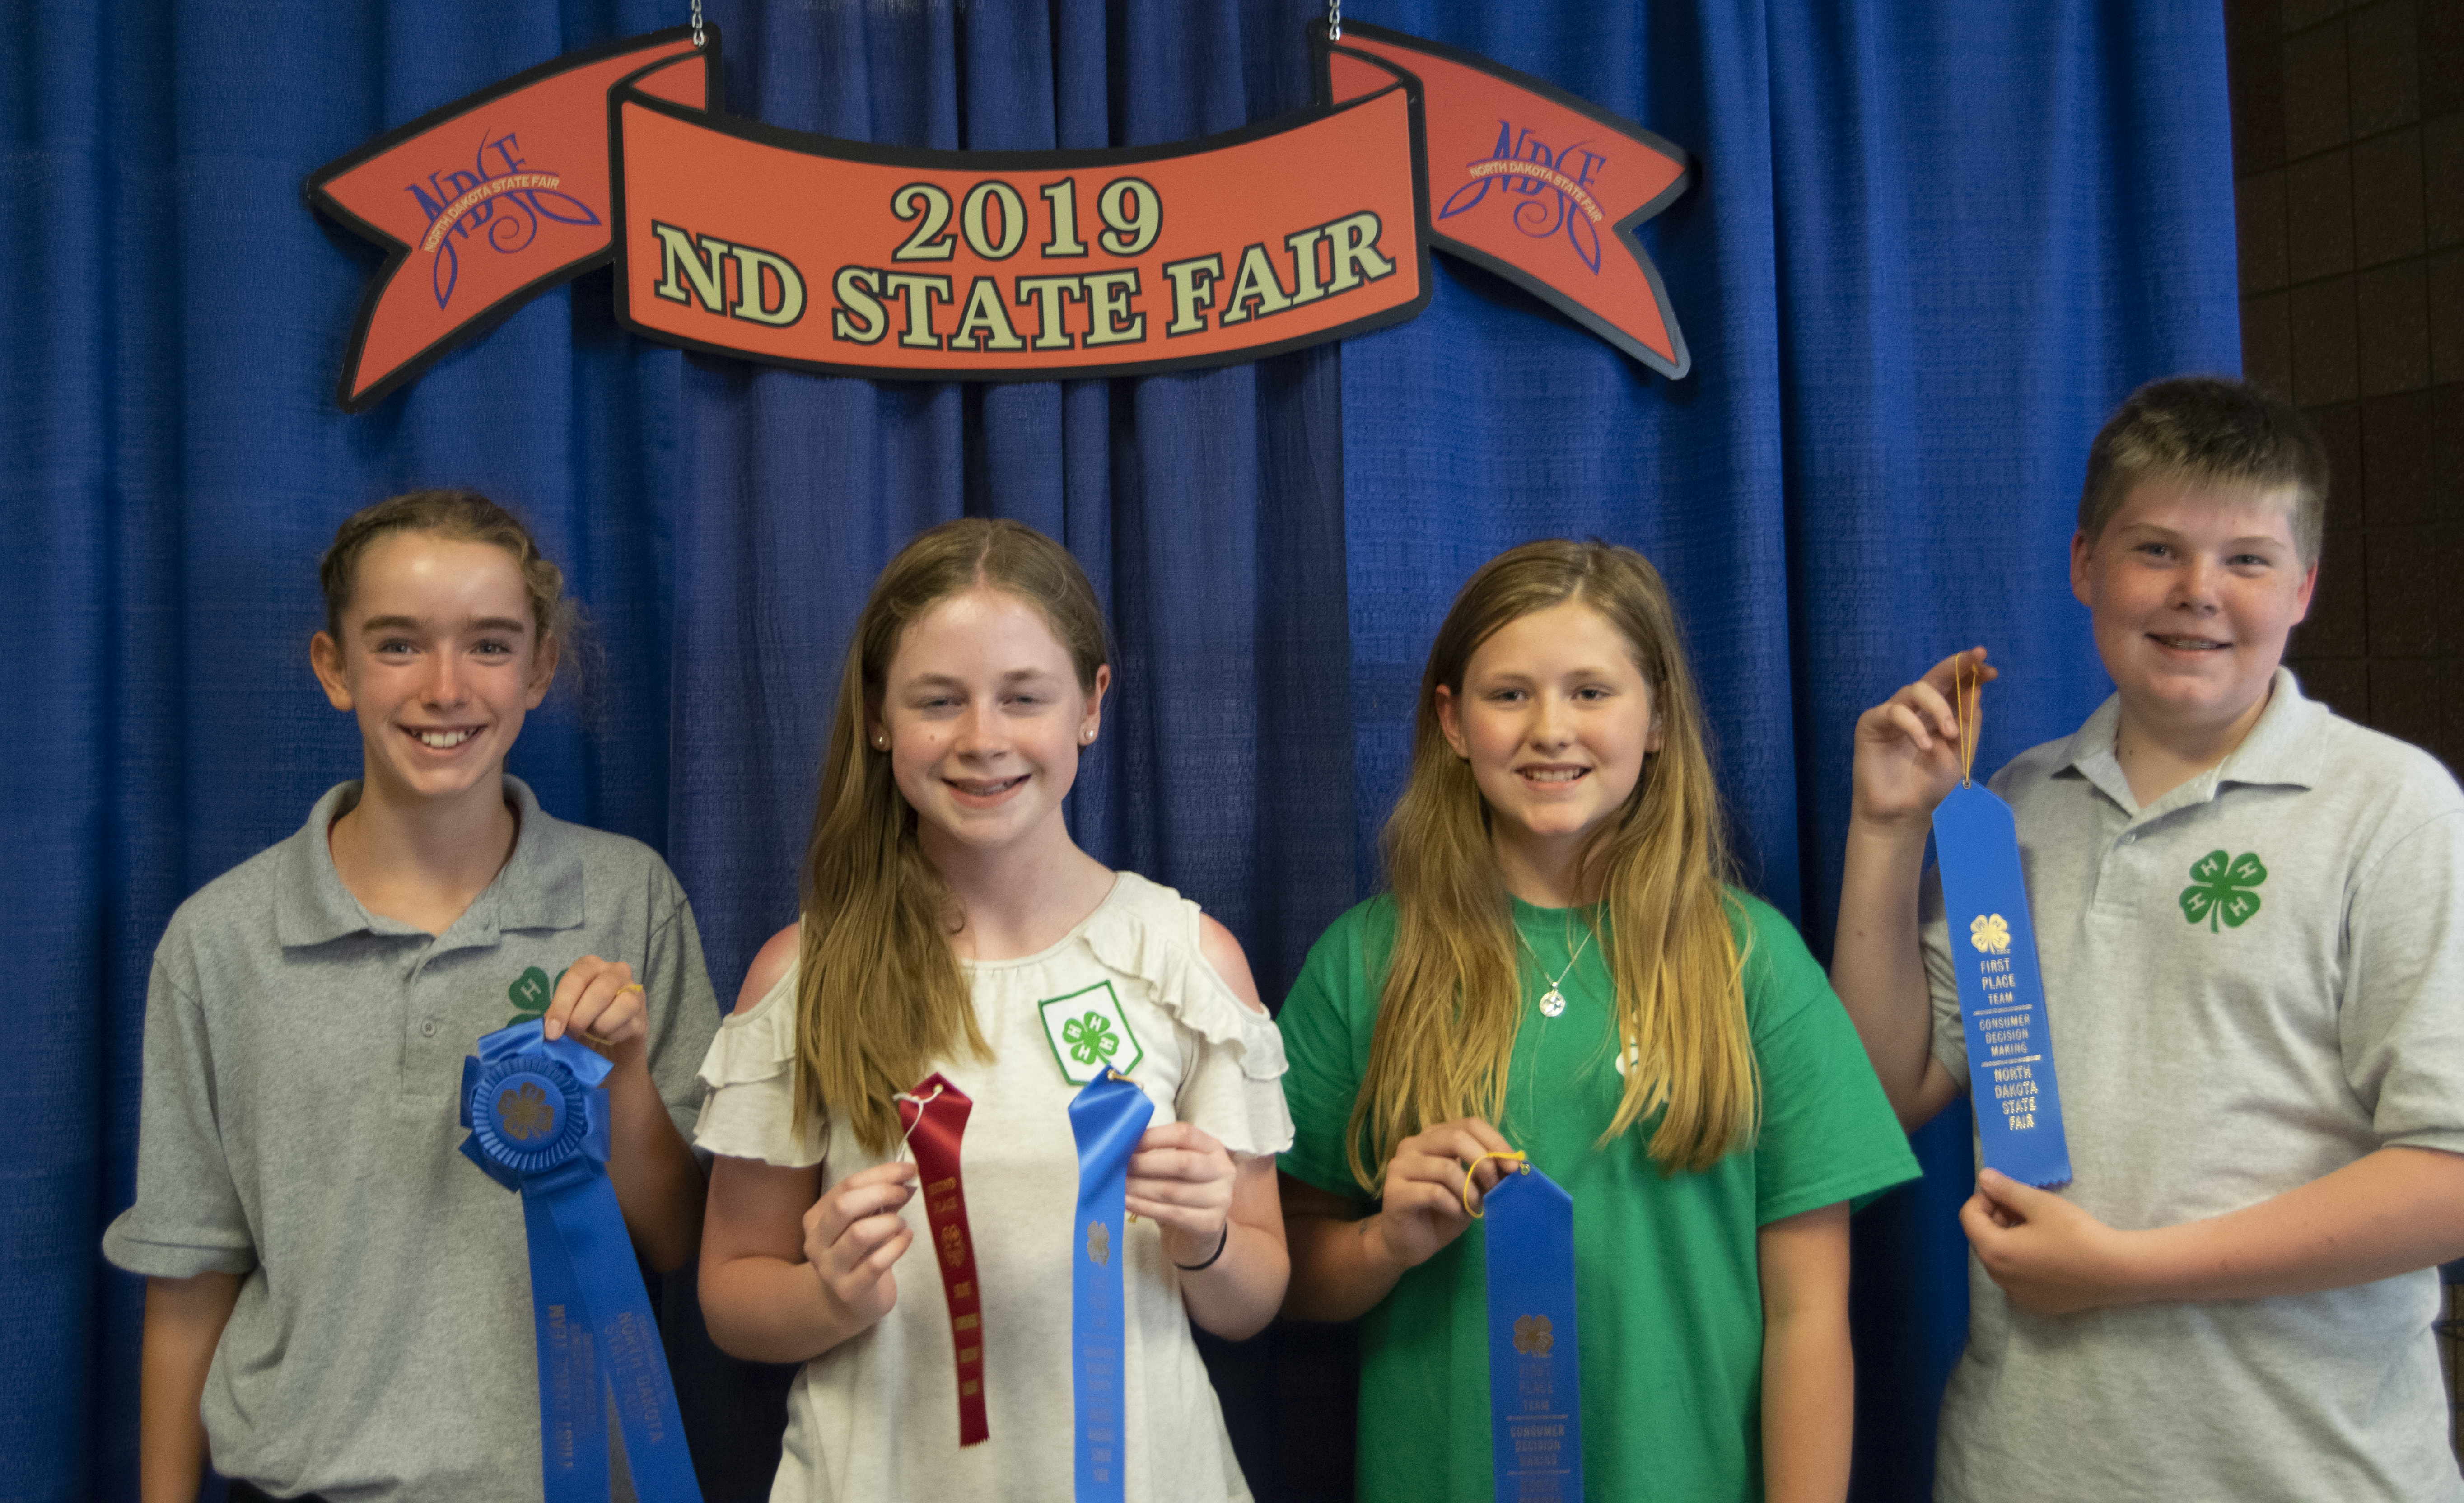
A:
[(1542, 187), (488, 202), (858, 261), (847, 258)]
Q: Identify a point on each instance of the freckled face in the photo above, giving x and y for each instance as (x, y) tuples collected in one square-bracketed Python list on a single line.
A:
[(2191, 591), (1555, 719), (438, 660), (985, 717)]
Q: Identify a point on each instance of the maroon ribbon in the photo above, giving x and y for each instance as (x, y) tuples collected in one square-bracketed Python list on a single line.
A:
[(934, 1115)]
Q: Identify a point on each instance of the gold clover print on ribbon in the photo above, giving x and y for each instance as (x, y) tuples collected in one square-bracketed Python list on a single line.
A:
[(1091, 1038), (2219, 890), (1534, 1335), (1989, 933), (526, 1113), (1099, 1242)]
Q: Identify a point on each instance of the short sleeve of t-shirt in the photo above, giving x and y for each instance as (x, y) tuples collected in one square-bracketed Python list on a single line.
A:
[(1327, 1023), (1828, 1131), (188, 1218), (2401, 1029), (684, 1011), (1942, 980)]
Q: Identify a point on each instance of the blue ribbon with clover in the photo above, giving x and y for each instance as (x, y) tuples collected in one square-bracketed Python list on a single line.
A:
[(2001, 993), (1535, 1386), (538, 1114), (1105, 1118)]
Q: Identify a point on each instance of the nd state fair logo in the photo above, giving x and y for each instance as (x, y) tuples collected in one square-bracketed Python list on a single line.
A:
[(501, 213), (847, 258)]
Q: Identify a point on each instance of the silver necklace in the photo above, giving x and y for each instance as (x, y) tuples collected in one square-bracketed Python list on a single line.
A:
[(1552, 1002)]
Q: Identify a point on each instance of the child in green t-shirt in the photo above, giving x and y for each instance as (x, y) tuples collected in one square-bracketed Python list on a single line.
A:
[(1563, 967)]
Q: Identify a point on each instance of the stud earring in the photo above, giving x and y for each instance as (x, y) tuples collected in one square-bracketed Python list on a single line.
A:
[(1086, 737), (881, 744)]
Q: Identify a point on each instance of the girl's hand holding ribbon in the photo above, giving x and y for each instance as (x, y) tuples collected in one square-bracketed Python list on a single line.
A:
[(600, 1003), (853, 1236), (1181, 1178), (1424, 1201)]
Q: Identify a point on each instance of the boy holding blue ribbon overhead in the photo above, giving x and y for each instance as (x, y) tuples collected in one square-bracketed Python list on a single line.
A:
[(2251, 919)]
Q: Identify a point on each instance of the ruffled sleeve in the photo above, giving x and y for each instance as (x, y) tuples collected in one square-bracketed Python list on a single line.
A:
[(1233, 1087), (751, 1072)]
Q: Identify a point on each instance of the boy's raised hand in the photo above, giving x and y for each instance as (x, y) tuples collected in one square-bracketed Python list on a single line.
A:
[(1908, 747)]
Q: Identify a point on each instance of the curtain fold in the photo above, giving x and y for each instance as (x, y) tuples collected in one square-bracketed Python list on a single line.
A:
[(1928, 246)]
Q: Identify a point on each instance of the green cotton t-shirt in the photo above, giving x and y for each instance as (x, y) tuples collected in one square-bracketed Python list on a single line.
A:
[(1665, 1285)]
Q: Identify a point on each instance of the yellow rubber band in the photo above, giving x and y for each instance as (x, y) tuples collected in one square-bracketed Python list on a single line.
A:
[(1518, 1157), (1964, 689)]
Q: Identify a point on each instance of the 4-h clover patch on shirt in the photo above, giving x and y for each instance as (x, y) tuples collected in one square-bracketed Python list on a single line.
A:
[(2220, 889), (1089, 1034)]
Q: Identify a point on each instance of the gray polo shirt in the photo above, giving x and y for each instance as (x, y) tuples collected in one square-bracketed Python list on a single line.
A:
[(301, 1061), (2253, 981)]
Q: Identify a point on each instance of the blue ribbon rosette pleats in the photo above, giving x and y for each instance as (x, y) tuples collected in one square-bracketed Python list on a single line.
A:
[(538, 1114)]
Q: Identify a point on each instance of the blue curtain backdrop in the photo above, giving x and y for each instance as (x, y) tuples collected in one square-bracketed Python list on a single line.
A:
[(1930, 245)]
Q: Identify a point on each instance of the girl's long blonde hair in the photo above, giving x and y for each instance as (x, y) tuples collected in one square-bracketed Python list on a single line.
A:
[(1453, 996), (879, 995)]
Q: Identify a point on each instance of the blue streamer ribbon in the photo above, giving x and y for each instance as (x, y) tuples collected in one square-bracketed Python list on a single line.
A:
[(1535, 1387), (538, 1114), (1107, 1117), (2001, 992)]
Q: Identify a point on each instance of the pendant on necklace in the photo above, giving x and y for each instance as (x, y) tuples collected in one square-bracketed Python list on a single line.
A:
[(1552, 1002)]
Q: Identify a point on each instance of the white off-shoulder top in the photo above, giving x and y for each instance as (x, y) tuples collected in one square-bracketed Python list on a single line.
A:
[(876, 1417)]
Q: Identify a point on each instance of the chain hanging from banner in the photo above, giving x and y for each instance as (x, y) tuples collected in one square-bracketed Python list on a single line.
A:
[(1334, 20), (696, 22)]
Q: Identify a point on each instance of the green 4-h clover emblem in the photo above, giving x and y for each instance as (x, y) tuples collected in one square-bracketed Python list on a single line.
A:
[(1089, 1034), (530, 992), (2219, 890), (1091, 1038)]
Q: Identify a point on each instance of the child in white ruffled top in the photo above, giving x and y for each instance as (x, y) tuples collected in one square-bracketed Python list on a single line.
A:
[(946, 912)]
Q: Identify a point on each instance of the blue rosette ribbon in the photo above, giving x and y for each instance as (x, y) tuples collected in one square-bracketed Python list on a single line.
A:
[(538, 1114)]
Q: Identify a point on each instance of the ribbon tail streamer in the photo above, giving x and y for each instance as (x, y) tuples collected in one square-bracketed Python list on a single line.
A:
[(627, 1340), (538, 1115), (573, 1417), (1106, 1118), (2001, 991), (1534, 1369), (936, 1115)]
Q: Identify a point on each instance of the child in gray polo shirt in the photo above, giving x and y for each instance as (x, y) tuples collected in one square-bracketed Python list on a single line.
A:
[(336, 1301), (2251, 918)]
